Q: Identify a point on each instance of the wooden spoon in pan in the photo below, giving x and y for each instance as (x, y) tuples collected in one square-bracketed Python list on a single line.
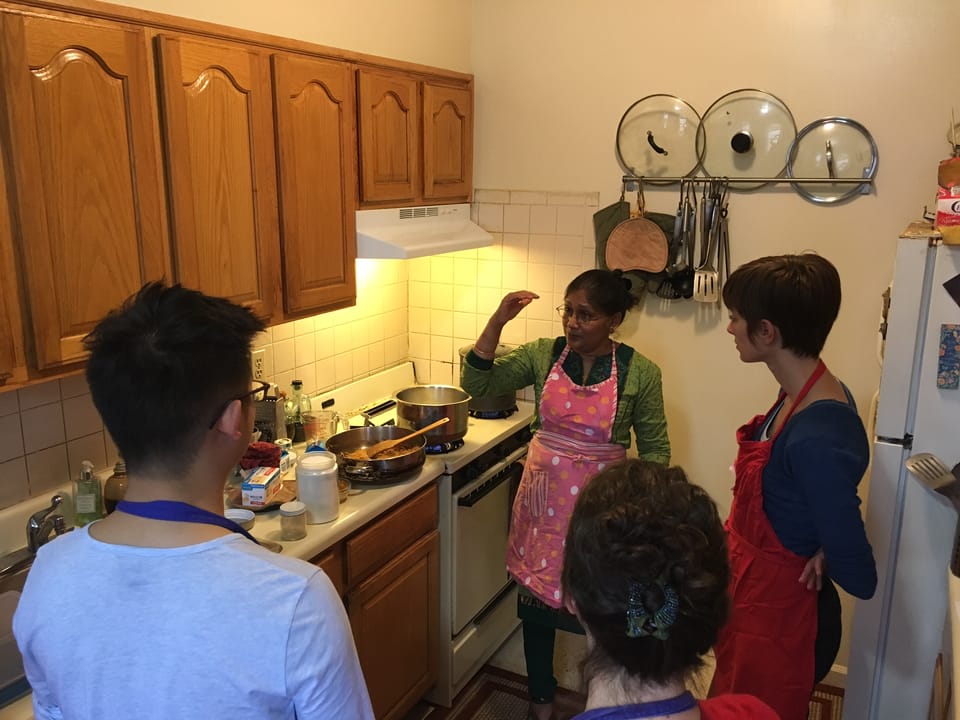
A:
[(377, 449)]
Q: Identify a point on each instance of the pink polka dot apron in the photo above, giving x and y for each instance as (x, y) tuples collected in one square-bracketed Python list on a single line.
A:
[(572, 445)]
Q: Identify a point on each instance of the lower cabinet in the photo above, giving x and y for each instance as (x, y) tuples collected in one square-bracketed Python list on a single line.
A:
[(395, 616), (388, 574)]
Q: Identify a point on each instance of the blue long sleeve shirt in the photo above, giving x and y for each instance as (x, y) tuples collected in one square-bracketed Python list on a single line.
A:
[(810, 492)]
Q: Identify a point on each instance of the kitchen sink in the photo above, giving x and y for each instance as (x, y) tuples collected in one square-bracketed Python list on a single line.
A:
[(13, 574)]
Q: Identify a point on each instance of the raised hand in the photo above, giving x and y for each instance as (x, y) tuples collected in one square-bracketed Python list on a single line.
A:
[(511, 305)]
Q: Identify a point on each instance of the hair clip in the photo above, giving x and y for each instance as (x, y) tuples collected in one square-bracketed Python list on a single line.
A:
[(644, 623)]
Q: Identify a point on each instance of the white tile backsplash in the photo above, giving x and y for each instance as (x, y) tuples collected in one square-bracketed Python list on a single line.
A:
[(42, 427), (11, 438), (14, 487), (9, 403), (36, 395), (47, 469), (80, 417)]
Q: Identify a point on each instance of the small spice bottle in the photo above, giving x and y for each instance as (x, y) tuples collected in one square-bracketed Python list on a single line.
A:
[(115, 487), (293, 520)]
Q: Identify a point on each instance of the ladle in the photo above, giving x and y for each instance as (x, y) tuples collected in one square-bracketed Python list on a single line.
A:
[(370, 453)]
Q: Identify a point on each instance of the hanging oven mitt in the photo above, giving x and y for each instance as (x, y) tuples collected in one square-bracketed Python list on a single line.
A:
[(604, 221)]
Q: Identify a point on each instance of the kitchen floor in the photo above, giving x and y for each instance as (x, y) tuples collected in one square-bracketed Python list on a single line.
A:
[(568, 654)]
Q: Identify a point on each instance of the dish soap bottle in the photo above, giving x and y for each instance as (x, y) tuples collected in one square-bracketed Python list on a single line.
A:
[(115, 487), (87, 498)]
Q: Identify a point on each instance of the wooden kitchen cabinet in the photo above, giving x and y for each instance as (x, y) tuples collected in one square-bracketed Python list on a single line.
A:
[(85, 184), (416, 139), (390, 569), (315, 103), (221, 169), (395, 616), (447, 142)]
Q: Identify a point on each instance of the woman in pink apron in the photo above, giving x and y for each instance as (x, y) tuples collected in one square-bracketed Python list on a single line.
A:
[(591, 392), (795, 522)]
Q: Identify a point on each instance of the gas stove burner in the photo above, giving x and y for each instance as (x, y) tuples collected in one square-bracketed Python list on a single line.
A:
[(492, 414), (444, 447)]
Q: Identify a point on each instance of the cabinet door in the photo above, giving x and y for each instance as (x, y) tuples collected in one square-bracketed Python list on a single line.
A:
[(221, 170), (11, 327), (316, 150), (389, 137), (395, 616), (447, 142), (86, 178)]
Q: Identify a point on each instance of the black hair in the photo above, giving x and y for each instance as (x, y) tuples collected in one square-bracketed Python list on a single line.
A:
[(606, 290), (799, 294), (638, 522), (161, 365)]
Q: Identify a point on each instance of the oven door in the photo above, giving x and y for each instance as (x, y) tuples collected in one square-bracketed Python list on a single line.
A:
[(481, 524)]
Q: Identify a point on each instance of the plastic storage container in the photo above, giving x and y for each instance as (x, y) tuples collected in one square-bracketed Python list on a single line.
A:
[(293, 520), (317, 486)]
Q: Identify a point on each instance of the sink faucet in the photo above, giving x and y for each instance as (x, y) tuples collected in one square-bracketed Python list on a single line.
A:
[(43, 522)]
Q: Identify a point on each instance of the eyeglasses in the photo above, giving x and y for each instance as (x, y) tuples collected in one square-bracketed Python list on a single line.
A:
[(583, 318), (258, 393)]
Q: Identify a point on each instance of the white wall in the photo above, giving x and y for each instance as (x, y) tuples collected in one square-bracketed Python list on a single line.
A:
[(553, 79)]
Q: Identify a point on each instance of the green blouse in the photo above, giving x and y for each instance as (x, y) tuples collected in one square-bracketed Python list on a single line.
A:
[(639, 387)]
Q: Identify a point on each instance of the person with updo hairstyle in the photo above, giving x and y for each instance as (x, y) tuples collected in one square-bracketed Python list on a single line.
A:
[(590, 391), (646, 572)]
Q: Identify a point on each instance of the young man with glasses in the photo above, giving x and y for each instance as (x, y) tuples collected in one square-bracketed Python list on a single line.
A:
[(164, 609), (591, 392)]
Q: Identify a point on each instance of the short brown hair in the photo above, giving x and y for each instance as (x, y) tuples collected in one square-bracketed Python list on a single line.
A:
[(799, 294)]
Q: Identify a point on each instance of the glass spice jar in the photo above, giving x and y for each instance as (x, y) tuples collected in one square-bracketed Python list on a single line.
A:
[(293, 520)]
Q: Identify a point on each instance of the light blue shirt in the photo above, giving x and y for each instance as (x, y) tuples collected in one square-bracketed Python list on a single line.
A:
[(222, 629)]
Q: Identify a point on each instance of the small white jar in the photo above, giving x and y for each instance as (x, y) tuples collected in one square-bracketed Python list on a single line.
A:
[(317, 486), (293, 521)]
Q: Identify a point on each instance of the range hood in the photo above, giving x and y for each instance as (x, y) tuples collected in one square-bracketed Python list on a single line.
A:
[(400, 233)]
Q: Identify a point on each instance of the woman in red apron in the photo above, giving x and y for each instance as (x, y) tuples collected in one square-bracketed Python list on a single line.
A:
[(795, 520), (590, 392)]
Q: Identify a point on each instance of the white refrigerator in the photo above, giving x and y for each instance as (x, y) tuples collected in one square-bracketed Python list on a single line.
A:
[(897, 635)]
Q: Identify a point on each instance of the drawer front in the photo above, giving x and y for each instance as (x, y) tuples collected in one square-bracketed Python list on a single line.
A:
[(331, 562), (372, 547)]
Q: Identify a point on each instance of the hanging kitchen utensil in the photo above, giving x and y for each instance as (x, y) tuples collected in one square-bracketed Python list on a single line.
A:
[(936, 476), (657, 137), (832, 147), (745, 133), (604, 221), (706, 279), (638, 243)]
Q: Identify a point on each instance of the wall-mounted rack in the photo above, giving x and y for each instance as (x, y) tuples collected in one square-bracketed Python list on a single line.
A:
[(764, 180)]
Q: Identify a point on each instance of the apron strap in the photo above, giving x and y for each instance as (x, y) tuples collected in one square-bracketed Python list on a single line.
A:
[(175, 511), (811, 381)]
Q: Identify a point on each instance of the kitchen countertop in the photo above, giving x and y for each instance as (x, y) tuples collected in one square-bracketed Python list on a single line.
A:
[(364, 504)]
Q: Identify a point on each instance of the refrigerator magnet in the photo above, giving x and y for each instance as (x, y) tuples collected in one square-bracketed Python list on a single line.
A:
[(953, 288), (948, 366)]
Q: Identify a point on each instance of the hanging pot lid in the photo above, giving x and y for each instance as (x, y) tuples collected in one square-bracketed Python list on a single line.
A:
[(832, 147), (657, 137), (745, 133)]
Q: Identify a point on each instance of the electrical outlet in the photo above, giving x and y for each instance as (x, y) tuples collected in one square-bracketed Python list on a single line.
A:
[(258, 363)]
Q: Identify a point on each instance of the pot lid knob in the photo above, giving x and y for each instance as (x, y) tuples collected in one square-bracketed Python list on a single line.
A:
[(742, 142)]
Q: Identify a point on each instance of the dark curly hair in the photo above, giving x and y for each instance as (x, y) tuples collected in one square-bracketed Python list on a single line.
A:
[(635, 522), (606, 290), (800, 294)]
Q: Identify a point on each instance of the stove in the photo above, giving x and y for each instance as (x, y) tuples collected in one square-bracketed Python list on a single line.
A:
[(492, 414), (478, 607)]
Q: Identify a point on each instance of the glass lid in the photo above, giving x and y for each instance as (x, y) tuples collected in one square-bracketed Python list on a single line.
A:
[(832, 147), (745, 133), (657, 137)]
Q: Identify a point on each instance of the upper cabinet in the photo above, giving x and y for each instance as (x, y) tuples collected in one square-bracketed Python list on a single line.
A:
[(447, 142), (416, 139), (221, 170), (84, 185), (314, 102)]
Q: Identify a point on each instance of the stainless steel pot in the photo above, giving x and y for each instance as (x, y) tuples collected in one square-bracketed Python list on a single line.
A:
[(375, 470), (491, 403), (421, 405)]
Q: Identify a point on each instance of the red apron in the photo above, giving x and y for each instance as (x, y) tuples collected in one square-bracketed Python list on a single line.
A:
[(766, 647)]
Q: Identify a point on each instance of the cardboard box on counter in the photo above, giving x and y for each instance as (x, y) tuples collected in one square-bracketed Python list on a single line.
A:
[(260, 485)]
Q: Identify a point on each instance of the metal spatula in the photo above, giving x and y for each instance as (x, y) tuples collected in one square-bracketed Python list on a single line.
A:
[(935, 475)]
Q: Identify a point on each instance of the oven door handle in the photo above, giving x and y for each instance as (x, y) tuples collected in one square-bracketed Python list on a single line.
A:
[(475, 496)]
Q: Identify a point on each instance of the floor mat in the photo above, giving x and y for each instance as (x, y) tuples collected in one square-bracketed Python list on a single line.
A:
[(496, 694)]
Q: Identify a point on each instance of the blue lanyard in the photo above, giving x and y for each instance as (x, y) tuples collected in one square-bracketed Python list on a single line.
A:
[(678, 704), (176, 511)]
